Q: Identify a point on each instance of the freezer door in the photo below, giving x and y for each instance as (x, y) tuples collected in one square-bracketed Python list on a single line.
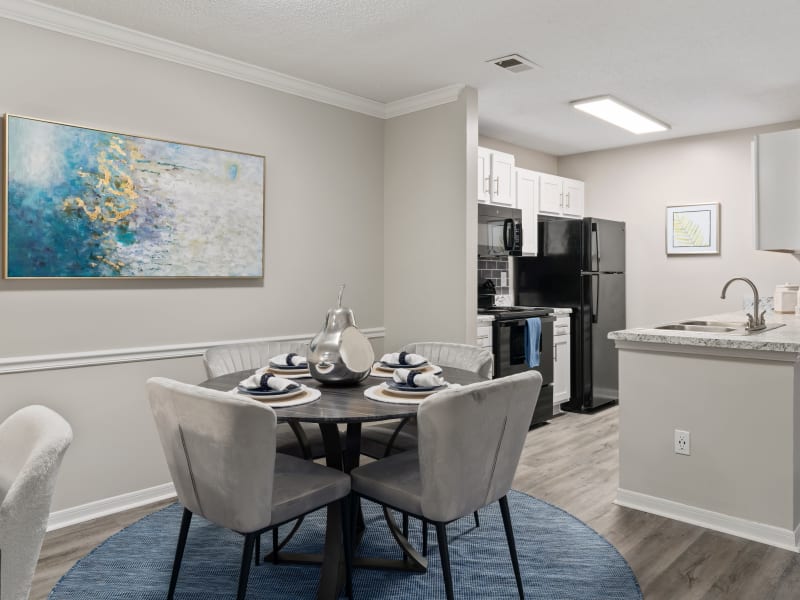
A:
[(608, 314), (603, 246)]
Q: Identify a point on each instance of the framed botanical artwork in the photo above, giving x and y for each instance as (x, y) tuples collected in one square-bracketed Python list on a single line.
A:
[(86, 203), (693, 229)]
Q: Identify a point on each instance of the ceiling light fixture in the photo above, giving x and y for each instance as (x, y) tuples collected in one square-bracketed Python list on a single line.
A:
[(620, 114)]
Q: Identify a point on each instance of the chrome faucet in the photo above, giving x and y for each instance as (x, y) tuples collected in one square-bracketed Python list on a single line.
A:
[(753, 323)]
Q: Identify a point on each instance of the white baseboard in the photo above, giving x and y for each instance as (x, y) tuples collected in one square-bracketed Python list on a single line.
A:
[(109, 506), (751, 530)]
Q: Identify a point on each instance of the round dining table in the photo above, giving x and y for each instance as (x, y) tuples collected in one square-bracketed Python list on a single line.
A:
[(344, 405)]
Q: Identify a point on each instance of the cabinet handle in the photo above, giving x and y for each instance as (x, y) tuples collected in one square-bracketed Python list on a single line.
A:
[(485, 186), (497, 186), (561, 200), (567, 199)]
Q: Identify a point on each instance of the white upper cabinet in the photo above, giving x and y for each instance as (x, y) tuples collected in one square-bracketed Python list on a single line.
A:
[(573, 198), (484, 175), (552, 196), (561, 197), (776, 166), (527, 187), (496, 178), (503, 179)]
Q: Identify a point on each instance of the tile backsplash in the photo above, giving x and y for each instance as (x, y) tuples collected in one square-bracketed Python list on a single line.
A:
[(491, 268)]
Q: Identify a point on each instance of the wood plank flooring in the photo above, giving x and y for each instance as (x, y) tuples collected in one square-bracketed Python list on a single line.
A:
[(572, 463)]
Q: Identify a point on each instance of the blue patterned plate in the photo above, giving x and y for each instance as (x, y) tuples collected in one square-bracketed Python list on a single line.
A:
[(399, 366), (259, 392), (404, 387), (300, 367)]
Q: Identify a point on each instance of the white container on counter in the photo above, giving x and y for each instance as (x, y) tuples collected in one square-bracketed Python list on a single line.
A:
[(786, 297)]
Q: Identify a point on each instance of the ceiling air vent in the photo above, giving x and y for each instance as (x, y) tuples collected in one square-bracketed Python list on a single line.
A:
[(514, 63)]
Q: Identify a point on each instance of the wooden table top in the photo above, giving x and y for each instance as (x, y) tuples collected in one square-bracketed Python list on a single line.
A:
[(339, 404)]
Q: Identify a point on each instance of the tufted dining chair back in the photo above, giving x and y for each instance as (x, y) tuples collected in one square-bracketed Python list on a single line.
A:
[(460, 356), (220, 451), (33, 441), (470, 442), (230, 358)]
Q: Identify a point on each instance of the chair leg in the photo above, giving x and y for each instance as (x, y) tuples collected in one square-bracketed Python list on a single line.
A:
[(176, 565), (424, 538), (512, 547), (405, 531), (477, 520), (275, 544), (347, 540), (258, 549), (244, 572), (444, 552)]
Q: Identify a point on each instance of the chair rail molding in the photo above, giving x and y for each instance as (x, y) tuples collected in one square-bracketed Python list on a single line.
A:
[(72, 360), (103, 32)]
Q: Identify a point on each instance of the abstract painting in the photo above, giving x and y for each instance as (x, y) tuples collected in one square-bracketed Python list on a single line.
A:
[(84, 203), (693, 229)]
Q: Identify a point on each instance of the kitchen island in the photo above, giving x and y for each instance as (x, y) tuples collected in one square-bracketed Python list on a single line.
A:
[(738, 397)]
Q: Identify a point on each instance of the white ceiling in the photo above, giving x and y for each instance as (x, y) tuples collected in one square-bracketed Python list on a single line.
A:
[(700, 65)]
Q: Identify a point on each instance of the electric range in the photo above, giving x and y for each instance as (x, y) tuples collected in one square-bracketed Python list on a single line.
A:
[(508, 347)]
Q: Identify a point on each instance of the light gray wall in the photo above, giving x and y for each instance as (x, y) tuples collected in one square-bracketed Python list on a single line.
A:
[(324, 214), (430, 224), (635, 184), (525, 158), (721, 401)]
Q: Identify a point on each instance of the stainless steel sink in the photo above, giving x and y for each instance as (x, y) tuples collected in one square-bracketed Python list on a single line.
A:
[(728, 327), (733, 324), (704, 328)]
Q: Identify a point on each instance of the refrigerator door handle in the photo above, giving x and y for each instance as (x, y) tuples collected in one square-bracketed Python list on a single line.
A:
[(595, 297), (596, 245)]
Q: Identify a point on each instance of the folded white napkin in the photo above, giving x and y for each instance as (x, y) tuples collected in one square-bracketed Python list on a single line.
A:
[(260, 381), (403, 358), (288, 360), (417, 378)]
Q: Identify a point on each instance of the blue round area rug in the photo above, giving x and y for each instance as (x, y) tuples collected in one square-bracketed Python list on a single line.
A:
[(560, 558)]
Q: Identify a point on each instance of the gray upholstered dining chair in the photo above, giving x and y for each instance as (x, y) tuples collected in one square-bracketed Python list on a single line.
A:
[(302, 441), (470, 442), (221, 455), (375, 438), (387, 437), (33, 441)]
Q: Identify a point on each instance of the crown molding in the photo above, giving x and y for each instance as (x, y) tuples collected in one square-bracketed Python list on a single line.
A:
[(422, 101), (103, 32)]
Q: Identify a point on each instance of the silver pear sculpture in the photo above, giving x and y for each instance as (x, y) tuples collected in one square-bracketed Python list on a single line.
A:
[(340, 354)]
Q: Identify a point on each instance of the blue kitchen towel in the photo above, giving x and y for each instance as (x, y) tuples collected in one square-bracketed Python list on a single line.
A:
[(533, 332)]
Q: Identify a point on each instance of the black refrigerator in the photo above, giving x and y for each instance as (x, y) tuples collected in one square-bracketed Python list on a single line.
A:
[(581, 265)]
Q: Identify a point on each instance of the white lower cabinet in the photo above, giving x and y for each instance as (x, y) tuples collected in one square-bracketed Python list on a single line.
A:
[(561, 362)]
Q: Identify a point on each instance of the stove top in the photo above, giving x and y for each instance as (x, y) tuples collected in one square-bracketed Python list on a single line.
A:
[(511, 312)]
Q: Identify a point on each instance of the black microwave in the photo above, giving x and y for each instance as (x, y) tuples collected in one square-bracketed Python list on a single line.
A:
[(499, 231)]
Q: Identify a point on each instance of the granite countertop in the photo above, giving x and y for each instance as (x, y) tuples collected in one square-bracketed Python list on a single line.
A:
[(782, 339)]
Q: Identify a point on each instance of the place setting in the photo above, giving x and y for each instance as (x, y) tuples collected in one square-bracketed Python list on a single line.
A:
[(288, 366), (408, 386), (392, 361), (275, 385)]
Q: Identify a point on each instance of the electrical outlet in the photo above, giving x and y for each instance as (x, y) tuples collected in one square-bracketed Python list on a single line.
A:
[(503, 279), (683, 442)]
